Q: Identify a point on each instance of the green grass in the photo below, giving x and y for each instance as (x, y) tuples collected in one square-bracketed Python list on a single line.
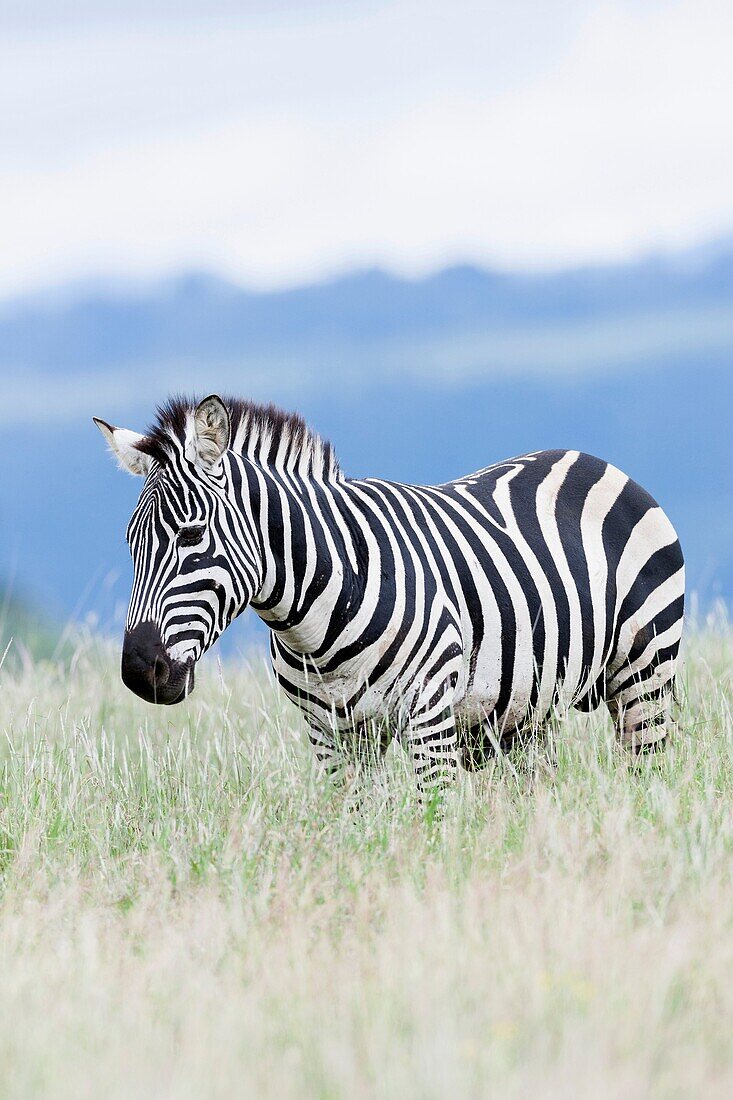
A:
[(186, 911)]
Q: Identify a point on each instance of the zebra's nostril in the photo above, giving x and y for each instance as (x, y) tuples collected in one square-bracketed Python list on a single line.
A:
[(161, 672)]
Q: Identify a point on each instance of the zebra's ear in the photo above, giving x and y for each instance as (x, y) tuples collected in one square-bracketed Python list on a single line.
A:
[(121, 443), (210, 437)]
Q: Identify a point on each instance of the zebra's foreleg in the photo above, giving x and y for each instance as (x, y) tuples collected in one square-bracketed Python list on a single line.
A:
[(350, 758), (433, 742), (331, 761)]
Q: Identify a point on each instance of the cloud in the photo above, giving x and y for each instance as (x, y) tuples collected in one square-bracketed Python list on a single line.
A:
[(278, 148)]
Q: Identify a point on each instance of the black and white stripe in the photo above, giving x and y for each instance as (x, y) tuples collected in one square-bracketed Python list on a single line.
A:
[(452, 616)]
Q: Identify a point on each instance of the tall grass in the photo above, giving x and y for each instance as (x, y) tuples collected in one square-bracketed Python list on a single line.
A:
[(187, 911)]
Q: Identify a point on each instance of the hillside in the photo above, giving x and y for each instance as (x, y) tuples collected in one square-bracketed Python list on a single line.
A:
[(417, 380)]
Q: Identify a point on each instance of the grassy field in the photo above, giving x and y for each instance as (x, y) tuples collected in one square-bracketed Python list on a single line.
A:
[(187, 912)]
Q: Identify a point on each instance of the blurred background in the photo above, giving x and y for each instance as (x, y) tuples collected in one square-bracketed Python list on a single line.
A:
[(446, 233)]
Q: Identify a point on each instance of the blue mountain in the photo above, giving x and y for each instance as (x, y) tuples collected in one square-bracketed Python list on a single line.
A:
[(416, 380)]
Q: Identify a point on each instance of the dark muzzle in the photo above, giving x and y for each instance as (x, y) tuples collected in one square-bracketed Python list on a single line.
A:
[(149, 671)]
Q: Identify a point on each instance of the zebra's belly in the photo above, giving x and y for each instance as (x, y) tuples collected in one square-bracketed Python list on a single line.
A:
[(339, 698), (336, 702), (513, 698), (479, 705), (476, 708)]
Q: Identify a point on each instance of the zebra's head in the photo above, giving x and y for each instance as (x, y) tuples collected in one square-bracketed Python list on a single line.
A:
[(193, 543)]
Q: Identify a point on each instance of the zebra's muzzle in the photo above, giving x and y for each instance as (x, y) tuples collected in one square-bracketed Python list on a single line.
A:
[(149, 672)]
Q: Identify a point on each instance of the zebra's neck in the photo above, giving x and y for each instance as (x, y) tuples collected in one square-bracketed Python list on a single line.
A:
[(311, 554)]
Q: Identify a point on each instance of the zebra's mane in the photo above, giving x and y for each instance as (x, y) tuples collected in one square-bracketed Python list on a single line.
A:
[(264, 433)]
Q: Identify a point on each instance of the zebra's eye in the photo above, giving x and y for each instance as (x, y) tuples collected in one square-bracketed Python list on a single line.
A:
[(191, 536)]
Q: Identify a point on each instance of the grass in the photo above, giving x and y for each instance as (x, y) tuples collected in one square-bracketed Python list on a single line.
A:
[(186, 911)]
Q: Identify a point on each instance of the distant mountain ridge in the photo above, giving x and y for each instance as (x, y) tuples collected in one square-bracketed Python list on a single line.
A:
[(199, 315), (412, 379)]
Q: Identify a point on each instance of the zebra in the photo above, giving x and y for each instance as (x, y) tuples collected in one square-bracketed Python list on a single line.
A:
[(453, 617)]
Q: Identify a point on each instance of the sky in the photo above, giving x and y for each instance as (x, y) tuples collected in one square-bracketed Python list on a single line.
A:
[(276, 143)]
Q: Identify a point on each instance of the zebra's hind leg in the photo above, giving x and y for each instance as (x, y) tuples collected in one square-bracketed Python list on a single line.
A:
[(642, 722), (641, 673), (639, 696)]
